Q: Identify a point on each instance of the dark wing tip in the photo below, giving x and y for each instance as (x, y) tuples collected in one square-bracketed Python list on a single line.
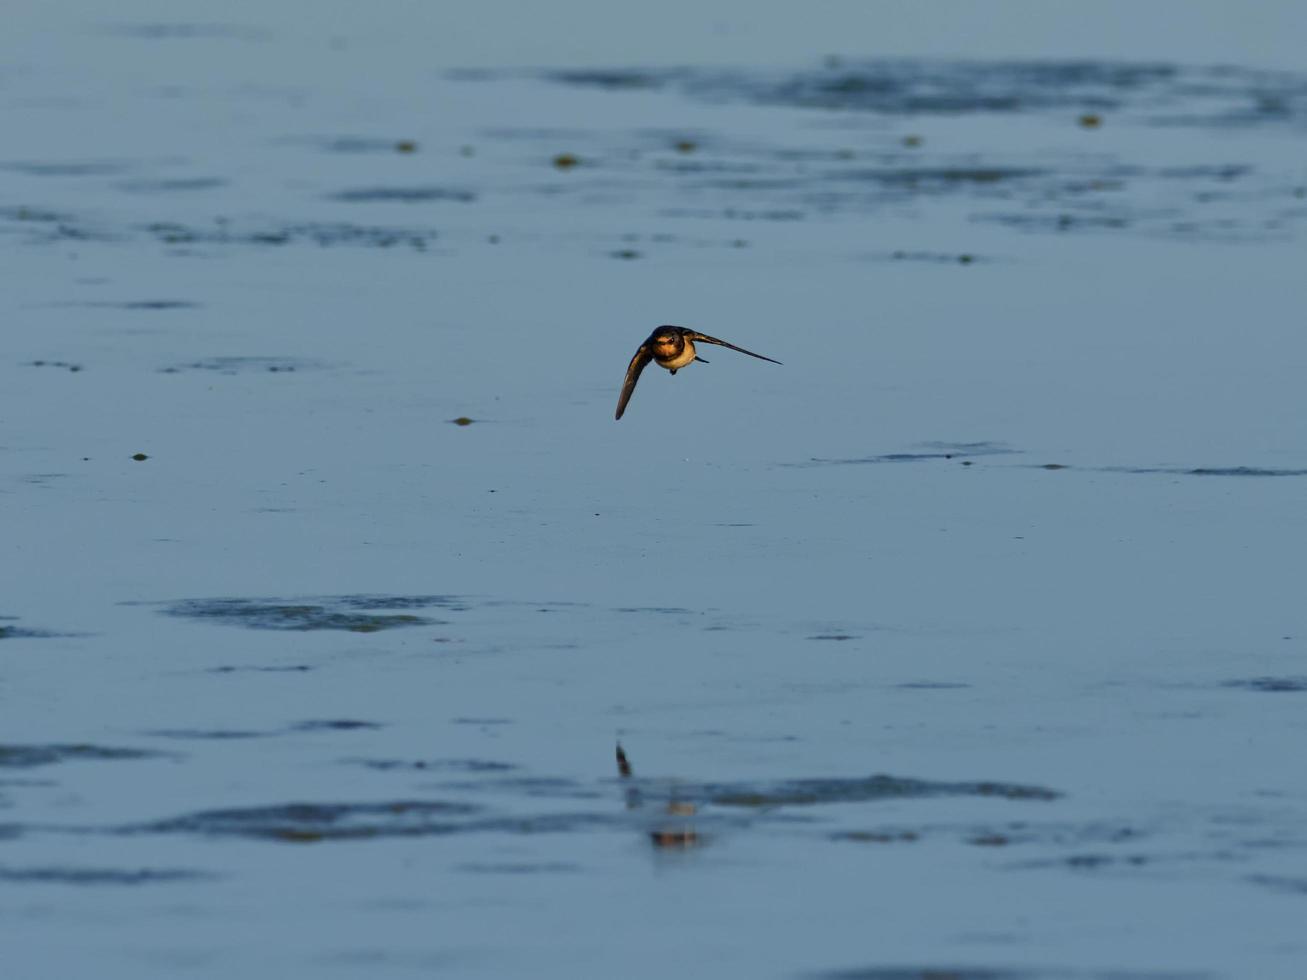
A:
[(641, 358)]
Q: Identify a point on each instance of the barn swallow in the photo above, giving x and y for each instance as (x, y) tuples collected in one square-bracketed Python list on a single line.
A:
[(672, 348)]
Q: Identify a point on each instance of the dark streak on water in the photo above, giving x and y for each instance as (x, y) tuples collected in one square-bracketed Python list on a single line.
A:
[(23, 632), (954, 972), (1237, 471), (1208, 471), (1010, 834), (402, 195), (966, 451), (314, 822), (27, 756), (185, 31), (1281, 883), (335, 724), (205, 734), (808, 792), (71, 168), (320, 233), (307, 822), (244, 365), (100, 876), (173, 185), (354, 613), (657, 610), (1274, 685), (150, 304), (520, 868), (222, 734), (348, 144), (934, 452), (432, 765)]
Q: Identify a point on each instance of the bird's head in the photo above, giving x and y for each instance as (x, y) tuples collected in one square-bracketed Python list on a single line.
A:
[(666, 342)]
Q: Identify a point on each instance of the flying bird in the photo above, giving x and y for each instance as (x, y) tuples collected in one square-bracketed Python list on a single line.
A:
[(672, 348)]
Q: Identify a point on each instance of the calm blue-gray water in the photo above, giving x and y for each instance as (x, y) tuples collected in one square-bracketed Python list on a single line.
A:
[(968, 642)]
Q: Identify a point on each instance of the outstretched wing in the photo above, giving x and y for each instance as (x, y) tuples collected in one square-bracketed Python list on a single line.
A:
[(642, 357), (705, 339)]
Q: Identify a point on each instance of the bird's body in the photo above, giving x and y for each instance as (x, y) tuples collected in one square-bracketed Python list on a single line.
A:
[(671, 348)]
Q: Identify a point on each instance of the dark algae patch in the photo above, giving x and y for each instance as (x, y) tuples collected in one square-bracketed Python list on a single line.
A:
[(355, 614)]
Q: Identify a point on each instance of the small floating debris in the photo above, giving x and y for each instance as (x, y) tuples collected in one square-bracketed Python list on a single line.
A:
[(566, 161), (685, 146), (912, 141), (406, 146), (140, 457), (683, 838), (462, 420), (624, 253), (1090, 120)]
